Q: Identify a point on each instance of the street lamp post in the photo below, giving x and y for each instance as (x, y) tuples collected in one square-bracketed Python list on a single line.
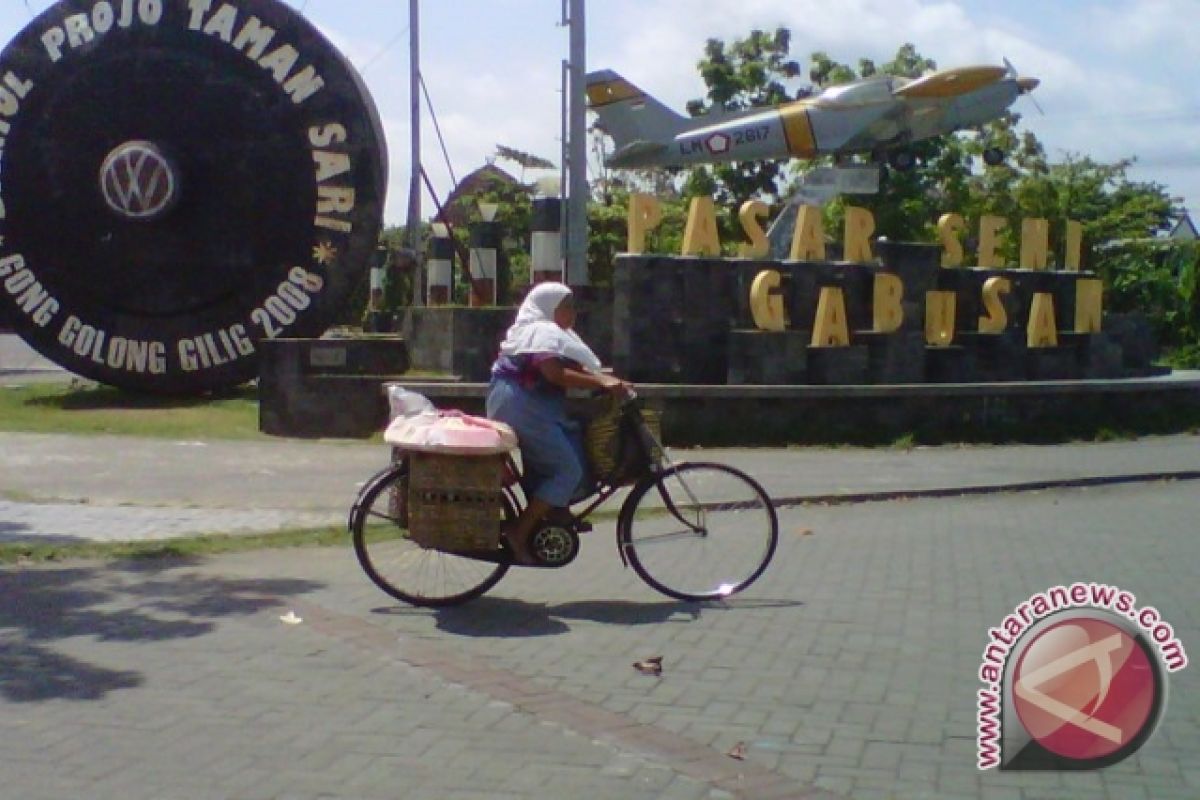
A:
[(413, 222), (576, 227)]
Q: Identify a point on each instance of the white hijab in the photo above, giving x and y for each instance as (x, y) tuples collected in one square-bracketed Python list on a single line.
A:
[(535, 330)]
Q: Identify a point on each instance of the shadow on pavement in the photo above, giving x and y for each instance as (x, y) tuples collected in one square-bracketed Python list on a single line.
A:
[(127, 602), (735, 603), (11, 535), (508, 618), (11, 530)]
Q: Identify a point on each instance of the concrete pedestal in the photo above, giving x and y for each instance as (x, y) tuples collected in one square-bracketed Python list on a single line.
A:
[(894, 357), (768, 357), (1053, 363), (953, 364), (837, 366), (326, 387)]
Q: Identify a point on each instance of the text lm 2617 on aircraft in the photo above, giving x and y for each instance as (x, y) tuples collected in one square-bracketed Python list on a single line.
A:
[(878, 115)]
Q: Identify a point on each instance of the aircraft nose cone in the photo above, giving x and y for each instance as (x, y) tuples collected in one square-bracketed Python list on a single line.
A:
[(1028, 84)]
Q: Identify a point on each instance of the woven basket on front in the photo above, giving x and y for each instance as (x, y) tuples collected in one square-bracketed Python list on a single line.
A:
[(455, 502), (612, 448)]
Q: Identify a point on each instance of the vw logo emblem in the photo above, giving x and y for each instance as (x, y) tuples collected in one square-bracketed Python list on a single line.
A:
[(138, 181)]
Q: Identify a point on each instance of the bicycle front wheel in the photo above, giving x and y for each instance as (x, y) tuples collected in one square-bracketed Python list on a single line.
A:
[(698, 531), (401, 567)]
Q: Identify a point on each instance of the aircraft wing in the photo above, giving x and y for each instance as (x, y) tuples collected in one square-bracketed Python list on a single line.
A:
[(949, 83)]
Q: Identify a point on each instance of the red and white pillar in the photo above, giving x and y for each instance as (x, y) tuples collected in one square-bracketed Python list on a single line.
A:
[(485, 249)]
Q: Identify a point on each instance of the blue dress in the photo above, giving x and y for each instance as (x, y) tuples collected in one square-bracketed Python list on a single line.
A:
[(551, 442)]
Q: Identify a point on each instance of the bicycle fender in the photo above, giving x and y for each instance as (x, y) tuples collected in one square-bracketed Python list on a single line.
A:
[(383, 474), (624, 519)]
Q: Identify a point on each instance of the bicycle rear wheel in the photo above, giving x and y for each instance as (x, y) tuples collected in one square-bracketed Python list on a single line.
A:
[(698, 531), (401, 567)]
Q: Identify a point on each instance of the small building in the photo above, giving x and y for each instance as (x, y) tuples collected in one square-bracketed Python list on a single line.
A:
[(1184, 230), (453, 212)]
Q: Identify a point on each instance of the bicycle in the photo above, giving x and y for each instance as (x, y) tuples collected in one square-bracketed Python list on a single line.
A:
[(693, 531)]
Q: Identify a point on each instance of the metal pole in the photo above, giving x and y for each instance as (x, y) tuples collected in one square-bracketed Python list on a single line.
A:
[(564, 173), (413, 222), (577, 191)]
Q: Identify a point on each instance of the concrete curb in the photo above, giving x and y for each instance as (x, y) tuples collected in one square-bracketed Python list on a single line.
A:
[(974, 491)]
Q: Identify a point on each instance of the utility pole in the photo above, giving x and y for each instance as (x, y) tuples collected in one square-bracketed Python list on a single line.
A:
[(576, 185), (413, 222)]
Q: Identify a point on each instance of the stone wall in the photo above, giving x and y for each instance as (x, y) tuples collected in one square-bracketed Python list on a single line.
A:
[(327, 387), (463, 342), (683, 320), (1014, 411)]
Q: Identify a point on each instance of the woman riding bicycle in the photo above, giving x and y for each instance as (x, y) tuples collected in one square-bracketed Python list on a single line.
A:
[(541, 357)]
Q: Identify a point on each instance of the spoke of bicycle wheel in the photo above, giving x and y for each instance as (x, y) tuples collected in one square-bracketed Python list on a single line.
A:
[(728, 549), (701, 521), (663, 538)]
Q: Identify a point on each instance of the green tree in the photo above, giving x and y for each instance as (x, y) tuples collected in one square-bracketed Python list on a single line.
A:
[(514, 215), (748, 73), (906, 207), (608, 229)]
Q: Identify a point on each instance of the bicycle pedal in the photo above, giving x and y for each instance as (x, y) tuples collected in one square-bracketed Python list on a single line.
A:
[(564, 519)]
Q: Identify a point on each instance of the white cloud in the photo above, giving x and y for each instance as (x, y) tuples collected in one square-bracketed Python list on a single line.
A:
[(1145, 25), (1107, 83)]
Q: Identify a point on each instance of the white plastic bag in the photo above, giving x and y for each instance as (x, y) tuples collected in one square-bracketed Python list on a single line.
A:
[(404, 403), (451, 432)]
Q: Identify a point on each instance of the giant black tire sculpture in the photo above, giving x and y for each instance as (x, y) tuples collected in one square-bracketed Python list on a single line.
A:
[(180, 179)]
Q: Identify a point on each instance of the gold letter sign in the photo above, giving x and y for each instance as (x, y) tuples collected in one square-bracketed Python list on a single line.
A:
[(644, 215), (940, 308), (808, 240), (830, 329), (889, 291), (766, 305), (700, 237), (1042, 331)]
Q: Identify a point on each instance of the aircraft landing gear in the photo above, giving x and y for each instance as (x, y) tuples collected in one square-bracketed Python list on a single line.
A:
[(993, 156)]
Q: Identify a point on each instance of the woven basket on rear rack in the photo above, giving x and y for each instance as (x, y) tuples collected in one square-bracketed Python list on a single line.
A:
[(455, 502), (612, 446)]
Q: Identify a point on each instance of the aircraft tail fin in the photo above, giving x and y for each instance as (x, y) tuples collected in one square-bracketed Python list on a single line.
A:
[(638, 124)]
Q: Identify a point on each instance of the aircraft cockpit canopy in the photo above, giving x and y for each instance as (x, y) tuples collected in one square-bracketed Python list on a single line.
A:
[(872, 90)]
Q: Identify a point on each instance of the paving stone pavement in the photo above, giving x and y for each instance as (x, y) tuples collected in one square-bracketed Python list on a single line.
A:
[(86, 486), (850, 668)]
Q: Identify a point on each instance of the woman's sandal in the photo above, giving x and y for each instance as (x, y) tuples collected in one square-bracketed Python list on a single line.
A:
[(520, 557), (565, 519)]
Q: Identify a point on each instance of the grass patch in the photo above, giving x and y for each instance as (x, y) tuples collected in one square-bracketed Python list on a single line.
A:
[(82, 407), (1184, 357), (93, 409), (186, 547)]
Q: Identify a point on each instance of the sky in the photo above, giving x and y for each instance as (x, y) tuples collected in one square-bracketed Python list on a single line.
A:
[(1118, 76)]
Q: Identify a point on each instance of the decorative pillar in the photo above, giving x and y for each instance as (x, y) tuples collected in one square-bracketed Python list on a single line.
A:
[(546, 262), (485, 247), (439, 269), (377, 321), (379, 268)]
